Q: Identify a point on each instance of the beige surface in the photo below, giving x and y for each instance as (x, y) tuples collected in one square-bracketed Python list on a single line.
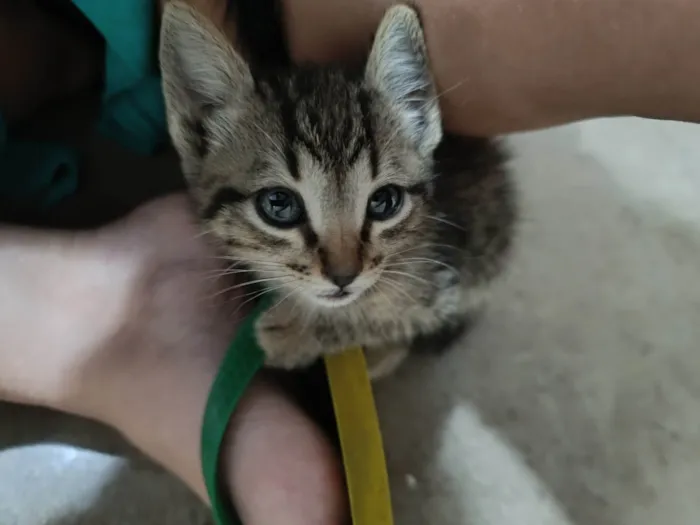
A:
[(576, 401)]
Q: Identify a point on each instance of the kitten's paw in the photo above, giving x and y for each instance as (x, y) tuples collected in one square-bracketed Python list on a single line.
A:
[(284, 345), (383, 361)]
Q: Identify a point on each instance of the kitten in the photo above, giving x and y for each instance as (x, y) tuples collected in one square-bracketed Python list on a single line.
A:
[(337, 188)]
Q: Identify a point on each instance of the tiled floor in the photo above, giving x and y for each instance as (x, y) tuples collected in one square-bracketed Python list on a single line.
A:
[(576, 401)]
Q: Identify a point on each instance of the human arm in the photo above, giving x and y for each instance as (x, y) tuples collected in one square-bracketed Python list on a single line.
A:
[(513, 65), (126, 325)]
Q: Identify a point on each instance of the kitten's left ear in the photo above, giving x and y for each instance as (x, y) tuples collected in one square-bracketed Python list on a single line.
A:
[(398, 68)]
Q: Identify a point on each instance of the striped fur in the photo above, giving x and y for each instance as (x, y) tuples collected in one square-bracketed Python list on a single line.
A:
[(334, 135)]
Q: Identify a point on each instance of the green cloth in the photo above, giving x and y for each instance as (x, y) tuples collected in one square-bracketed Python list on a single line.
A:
[(133, 112), (35, 174), (40, 174)]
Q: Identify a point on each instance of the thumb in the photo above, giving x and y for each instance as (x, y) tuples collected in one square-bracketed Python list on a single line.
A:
[(279, 466)]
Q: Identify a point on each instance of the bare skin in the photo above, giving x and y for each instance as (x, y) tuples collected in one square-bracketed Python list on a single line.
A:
[(73, 338), (511, 65), (501, 66)]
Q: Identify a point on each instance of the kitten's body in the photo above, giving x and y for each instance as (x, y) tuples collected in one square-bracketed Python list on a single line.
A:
[(336, 139)]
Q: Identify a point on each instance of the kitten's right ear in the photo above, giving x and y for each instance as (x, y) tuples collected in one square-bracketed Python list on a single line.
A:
[(200, 72), (398, 68)]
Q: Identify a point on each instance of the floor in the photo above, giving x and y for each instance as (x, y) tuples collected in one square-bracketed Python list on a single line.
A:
[(574, 402)]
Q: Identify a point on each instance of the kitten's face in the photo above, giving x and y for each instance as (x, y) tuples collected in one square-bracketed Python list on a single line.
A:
[(325, 198), (317, 181)]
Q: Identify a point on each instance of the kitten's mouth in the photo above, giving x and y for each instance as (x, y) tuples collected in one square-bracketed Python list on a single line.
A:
[(337, 294), (337, 298)]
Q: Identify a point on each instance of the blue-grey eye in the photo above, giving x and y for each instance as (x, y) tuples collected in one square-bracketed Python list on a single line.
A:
[(385, 203), (280, 207)]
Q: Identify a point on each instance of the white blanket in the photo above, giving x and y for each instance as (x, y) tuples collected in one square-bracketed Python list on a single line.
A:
[(575, 402)]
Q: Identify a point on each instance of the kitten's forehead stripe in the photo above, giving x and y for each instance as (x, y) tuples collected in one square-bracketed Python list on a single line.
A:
[(290, 156), (369, 132), (325, 112), (289, 126), (365, 231)]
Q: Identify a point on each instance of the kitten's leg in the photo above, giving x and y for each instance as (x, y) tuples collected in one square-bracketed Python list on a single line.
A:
[(384, 360), (287, 342), (290, 341)]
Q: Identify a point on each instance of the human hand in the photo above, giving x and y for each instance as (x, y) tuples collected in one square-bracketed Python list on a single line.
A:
[(278, 465), (137, 328)]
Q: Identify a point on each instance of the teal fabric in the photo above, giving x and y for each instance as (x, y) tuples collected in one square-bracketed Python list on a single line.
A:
[(36, 174), (133, 111)]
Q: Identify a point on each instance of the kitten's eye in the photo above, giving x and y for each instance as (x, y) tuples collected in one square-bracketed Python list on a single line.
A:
[(385, 203), (280, 207)]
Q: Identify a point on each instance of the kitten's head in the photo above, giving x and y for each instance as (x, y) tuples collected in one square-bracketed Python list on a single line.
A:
[(312, 178)]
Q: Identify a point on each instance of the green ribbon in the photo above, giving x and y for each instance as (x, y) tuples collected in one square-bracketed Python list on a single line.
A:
[(243, 360)]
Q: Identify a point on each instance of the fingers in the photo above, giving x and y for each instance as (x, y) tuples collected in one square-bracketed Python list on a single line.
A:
[(280, 467)]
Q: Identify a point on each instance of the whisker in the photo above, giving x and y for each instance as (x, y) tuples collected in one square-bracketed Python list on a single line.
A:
[(274, 144), (421, 246), (262, 264), (398, 295), (451, 88), (233, 269), (268, 288), (255, 295), (406, 274), (203, 232), (295, 290), (215, 274), (385, 298), (410, 249), (244, 260), (307, 321), (427, 260), (396, 286), (445, 221), (248, 283), (397, 129)]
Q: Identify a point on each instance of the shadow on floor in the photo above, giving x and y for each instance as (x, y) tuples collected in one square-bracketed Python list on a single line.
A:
[(137, 493), (133, 498)]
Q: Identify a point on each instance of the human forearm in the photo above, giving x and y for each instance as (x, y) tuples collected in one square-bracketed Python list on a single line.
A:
[(49, 316), (127, 326), (508, 65)]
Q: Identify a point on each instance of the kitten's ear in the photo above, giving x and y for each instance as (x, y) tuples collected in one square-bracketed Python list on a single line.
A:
[(201, 73), (398, 68)]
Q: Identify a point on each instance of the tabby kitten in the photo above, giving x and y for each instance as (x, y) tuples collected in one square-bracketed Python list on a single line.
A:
[(338, 190)]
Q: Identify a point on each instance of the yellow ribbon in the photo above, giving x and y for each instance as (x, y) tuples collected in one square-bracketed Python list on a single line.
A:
[(360, 438)]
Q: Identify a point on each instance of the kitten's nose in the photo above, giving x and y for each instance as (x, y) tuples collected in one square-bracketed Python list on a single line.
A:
[(342, 280), (340, 259)]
